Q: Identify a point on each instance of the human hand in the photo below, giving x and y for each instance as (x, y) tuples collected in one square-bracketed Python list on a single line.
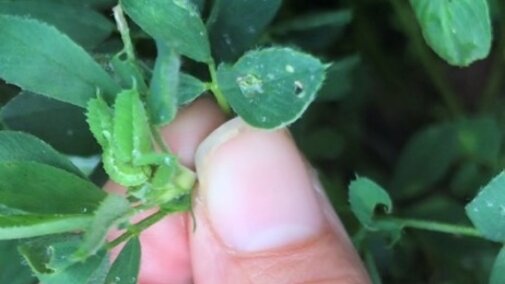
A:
[(261, 215)]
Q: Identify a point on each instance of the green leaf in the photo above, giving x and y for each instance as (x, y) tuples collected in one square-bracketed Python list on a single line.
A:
[(18, 146), (50, 254), (424, 160), (340, 18), (126, 267), (27, 43), (323, 143), (314, 31), (234, 26), (42, 189), (93, 270), (190, 88), (271, 88), (339, 79), (365, 196), (480, 139), (131, 133), (128, 73), (63, 125), (175, 23), (96, 4), (458, 31), (487, 209), (162, 101), (28, 226), (497, 274), (13, 269), (112, 210), (83, 25), (200, 4)]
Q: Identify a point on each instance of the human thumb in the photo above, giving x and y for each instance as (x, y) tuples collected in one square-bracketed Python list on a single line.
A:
[(261, 216)]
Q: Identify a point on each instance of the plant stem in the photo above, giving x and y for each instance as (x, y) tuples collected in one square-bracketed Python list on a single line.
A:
[(495, 80), (137, 228), (436, 227), (214, 87), (429, 63), (123, 29), (159, 140)]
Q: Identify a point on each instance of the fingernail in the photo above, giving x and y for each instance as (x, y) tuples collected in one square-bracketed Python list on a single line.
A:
[(257, 190)]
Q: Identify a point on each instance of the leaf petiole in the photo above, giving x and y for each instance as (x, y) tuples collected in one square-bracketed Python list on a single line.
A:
[(123, 29), (434, 226), (136, 229), (216, 91)]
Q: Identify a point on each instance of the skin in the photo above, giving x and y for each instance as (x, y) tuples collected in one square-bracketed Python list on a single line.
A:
[(261, 215)]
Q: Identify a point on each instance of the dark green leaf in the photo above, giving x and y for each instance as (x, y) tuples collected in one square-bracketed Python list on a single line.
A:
[(339, 18), (458, 31), (467, 179), (322, 143), (200, 4), (28, 226), (339, 79), (480, 139), (487, 209), (113, 209), (83, 25), (17, 146), (97, 4), (42, 189), (60, 124), (190, 88), (14, 270), (27, 43), (498, 273), (128, 73), (271, 88), (175, 23), (365, 196), (50, 254), (315, 31), (425, 160), (162, 101), (234, 26), (92, 271), (126, 267)]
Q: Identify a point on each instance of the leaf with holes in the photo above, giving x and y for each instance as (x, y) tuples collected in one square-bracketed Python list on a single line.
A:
[(365, 196), (272, 87)]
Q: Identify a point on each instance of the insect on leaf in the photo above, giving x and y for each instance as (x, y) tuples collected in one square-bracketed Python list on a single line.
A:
[(99, 118), (131, 133)]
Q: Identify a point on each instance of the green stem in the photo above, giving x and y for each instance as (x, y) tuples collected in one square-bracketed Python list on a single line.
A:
[(436, 227), (159, 140), (123, 29), (214, 87), (429, 63), (495, 81), (137, 228)]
